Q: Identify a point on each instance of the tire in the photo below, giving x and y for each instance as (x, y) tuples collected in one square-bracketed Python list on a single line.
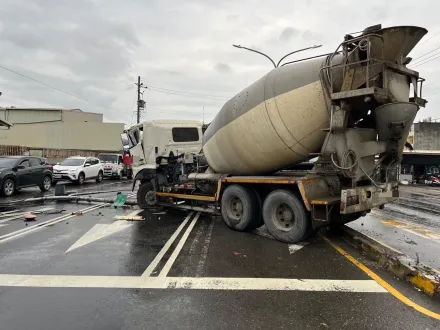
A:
[(8, 187), (239, 207), (146, 196), (285, 217), (100, 177), (81, 178), (46, 183), (259, 211)]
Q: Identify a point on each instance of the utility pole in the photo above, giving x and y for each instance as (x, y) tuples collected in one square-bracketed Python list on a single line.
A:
[(140, 102)]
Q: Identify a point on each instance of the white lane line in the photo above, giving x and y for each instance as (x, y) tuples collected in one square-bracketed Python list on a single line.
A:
[(20, 215), (179, 247), (296, 247), (189, 283), (99, 231), (187, 271), (30, 229), (204, 255), (165, 248)]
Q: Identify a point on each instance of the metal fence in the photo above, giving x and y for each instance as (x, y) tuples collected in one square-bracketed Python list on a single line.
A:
[(53, 155)]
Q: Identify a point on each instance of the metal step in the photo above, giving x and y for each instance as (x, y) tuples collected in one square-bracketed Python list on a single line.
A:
[(378, 92)]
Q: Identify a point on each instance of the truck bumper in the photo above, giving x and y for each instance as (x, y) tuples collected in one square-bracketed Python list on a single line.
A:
[(361, 199)]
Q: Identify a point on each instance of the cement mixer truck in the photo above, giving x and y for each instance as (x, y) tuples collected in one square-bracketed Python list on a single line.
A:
[(351, 110)]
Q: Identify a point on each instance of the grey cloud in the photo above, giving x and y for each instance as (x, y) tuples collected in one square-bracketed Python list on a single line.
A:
[(288, 33), (97, 48), (223, 68)]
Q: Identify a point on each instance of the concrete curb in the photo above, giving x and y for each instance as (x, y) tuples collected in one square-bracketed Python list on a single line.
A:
[(421, 276)]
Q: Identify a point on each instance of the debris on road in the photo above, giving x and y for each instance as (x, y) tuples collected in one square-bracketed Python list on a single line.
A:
[(56, 211), (120, 200), (130, 217), (296, 247), (30, 217), (77, 213)]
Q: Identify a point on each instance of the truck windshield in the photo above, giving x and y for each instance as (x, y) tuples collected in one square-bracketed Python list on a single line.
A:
[(107, 158), (72, 162)]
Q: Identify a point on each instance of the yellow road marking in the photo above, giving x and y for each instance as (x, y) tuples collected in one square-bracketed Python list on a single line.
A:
[(417, 230), (383, 283)]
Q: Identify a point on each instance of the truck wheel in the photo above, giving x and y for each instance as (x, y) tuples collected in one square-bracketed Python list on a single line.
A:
[(146, 196), (239, 207), (258, 211), (285, 217)]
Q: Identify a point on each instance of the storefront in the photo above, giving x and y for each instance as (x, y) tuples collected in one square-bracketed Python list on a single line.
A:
[(419, 166)]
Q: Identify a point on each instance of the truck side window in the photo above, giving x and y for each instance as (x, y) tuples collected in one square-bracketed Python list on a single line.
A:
[(185, 134), (120, 160)]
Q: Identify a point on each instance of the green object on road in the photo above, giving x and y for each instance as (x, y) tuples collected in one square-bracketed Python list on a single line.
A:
[(120, 200)]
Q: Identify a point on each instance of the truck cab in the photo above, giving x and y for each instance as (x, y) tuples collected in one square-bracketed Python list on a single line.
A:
[(163, 146)]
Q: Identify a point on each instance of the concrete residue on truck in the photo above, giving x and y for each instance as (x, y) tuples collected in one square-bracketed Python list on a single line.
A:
[(351, 109)]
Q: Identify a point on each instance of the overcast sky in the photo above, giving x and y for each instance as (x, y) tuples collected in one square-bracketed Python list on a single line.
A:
[(97, 48)]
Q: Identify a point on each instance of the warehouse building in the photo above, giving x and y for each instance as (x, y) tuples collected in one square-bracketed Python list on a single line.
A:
[(426, 136), (57, 133), (421, 158)]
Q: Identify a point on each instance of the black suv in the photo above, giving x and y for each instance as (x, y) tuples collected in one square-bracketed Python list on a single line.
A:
[(21, 171)]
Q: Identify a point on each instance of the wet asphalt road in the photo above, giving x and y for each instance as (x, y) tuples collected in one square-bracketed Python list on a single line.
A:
[(94, 272), (410, 225)]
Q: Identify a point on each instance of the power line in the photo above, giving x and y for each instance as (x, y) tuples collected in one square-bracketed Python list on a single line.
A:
[(427, 60), (55, 88), (186, 93), (206, 97), (418, 58), (197, 88), (427, 40)]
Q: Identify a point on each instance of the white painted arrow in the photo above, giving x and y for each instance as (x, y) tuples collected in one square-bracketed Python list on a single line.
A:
[(99, 231)]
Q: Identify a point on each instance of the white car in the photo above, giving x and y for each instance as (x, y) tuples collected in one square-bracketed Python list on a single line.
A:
[(78, 169)]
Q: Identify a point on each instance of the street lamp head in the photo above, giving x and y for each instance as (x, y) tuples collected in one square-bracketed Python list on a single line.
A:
[(237, 46)]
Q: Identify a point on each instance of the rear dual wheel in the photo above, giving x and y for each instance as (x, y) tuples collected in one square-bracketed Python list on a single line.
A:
[(283, 213), (241, 208), (285, 217)]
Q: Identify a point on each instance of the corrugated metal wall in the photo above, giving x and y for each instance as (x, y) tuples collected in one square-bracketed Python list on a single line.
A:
[(53, 155), (65, 135)]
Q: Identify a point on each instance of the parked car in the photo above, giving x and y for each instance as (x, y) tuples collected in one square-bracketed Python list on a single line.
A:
[(78, 169), (113, 165), (21, 171)]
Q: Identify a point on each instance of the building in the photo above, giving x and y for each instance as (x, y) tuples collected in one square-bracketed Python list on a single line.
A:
[(57, 133), (426, 136), (421, 157)]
